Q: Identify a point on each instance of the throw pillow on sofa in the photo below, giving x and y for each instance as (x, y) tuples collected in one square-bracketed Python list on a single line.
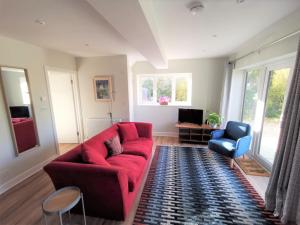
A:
[(114, 146), (92, 155), (128, 132)]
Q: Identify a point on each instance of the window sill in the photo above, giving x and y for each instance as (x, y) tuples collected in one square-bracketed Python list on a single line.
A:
[(169, 105)]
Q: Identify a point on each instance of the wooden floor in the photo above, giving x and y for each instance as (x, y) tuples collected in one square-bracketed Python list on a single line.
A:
[(22, 204), (65, 147)]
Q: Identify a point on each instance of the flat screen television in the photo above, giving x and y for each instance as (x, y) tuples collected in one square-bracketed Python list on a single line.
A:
[(19, 111), (190, 116)]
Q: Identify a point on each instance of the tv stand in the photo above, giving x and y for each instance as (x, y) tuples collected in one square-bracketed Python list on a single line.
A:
[(194, 133)]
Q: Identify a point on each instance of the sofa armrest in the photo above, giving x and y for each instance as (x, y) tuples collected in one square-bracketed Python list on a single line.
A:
[(103, 188), (242, 146), (216, 134), (144, 129)]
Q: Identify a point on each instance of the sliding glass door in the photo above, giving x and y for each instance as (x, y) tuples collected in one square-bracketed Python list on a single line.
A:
[(265, 94), (274, 106)]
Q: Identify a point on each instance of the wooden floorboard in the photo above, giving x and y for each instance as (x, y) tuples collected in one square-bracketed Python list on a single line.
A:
[(21, 205)]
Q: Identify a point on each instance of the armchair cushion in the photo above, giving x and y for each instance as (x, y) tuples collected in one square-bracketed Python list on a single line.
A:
[(235, 130), (223, 146), (216, 134)]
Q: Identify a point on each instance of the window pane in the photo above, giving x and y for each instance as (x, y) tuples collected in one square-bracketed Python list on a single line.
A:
[(147, 90), (274, 108), (251, 96), (181, 90), (164, 89)]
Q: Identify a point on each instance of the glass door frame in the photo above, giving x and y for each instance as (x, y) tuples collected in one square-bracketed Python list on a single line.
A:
[(266, 71)]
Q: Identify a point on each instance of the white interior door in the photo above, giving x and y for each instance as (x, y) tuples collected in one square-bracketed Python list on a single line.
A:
[(63, 106)]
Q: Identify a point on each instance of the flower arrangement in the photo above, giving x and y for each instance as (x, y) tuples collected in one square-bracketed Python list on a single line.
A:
[(164, 100)]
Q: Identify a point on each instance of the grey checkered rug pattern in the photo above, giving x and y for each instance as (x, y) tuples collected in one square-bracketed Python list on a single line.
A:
[(187, 185)]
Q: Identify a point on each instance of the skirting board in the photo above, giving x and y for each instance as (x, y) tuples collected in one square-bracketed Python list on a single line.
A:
[(165, 134), (21, 177)]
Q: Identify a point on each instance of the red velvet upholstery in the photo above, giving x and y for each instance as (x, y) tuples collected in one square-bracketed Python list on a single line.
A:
[(132, 164), (24, 133), (105, 188), (98, 141), (141, 147), (128, 132), (90, 154)]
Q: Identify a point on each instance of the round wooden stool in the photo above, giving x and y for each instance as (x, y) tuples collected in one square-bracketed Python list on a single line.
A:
[(61, 201)]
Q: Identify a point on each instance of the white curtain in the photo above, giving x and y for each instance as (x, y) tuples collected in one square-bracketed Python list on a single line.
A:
[(226, 92)]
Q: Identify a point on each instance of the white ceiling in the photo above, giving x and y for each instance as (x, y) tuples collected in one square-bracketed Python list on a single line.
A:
[(70, 25), (186, 36), (142, 29)]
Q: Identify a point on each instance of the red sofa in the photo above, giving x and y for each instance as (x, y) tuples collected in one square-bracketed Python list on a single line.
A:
[(109, 189), (24, 133)]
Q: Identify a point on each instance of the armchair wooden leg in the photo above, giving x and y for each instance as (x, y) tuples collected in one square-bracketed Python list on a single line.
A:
[(231, 163), (209, 153)]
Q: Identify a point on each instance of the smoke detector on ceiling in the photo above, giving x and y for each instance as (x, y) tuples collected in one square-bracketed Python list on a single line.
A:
[(40, 22), (195, 7)]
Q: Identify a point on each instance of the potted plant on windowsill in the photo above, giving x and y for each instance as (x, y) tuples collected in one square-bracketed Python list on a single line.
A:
[(214, 120), (164, 100)]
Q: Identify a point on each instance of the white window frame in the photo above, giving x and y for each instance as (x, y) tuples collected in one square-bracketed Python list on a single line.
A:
[(173, 77), (266, 68)]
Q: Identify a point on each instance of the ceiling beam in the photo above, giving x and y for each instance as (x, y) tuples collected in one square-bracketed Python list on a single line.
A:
[(132, 21)]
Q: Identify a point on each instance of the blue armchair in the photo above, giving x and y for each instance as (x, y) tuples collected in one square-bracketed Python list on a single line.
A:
[(232, 142)]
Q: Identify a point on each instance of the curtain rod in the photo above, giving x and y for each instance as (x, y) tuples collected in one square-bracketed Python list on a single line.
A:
[(265, 46)]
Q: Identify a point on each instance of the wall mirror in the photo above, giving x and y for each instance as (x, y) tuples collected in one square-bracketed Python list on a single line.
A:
[(18, 101)]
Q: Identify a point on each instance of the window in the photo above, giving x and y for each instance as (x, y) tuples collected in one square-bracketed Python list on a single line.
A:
[(265, 93), (165, 89), (253, 79), (24, 91)]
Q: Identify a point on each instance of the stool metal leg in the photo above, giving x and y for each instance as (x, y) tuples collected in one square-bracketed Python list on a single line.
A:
[(83, 210), (60, 219), (45, 218), (70, 220)]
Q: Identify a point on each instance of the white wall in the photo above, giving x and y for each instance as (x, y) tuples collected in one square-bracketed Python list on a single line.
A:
[(11, 82), (207, 76), (19, 54), (95, 114), (279, 29), (284, 48)]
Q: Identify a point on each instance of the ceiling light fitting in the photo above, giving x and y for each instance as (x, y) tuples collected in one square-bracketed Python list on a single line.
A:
[(195, 7), (40, 21)]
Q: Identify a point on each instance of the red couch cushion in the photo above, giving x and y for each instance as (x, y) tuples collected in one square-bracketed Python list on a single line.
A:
[(114, 145), (141, 147), (91, 154), (128, 132), (132, 164), (98, 141)]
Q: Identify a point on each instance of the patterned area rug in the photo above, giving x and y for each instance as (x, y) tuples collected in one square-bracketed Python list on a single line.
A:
[(251, 167), (188, 186)]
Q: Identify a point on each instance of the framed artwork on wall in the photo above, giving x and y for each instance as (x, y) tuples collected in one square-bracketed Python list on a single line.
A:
[(103, 88)]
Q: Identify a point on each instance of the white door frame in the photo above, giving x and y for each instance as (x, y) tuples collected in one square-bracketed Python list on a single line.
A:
[(77, 104)]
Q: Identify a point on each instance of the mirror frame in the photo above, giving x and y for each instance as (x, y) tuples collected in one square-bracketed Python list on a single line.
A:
[(8, 111)]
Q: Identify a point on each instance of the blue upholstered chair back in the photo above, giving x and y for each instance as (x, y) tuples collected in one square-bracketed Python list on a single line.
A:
[(235, 130)]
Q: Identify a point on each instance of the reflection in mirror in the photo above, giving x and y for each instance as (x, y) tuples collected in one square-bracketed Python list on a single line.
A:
[(17, 97)]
